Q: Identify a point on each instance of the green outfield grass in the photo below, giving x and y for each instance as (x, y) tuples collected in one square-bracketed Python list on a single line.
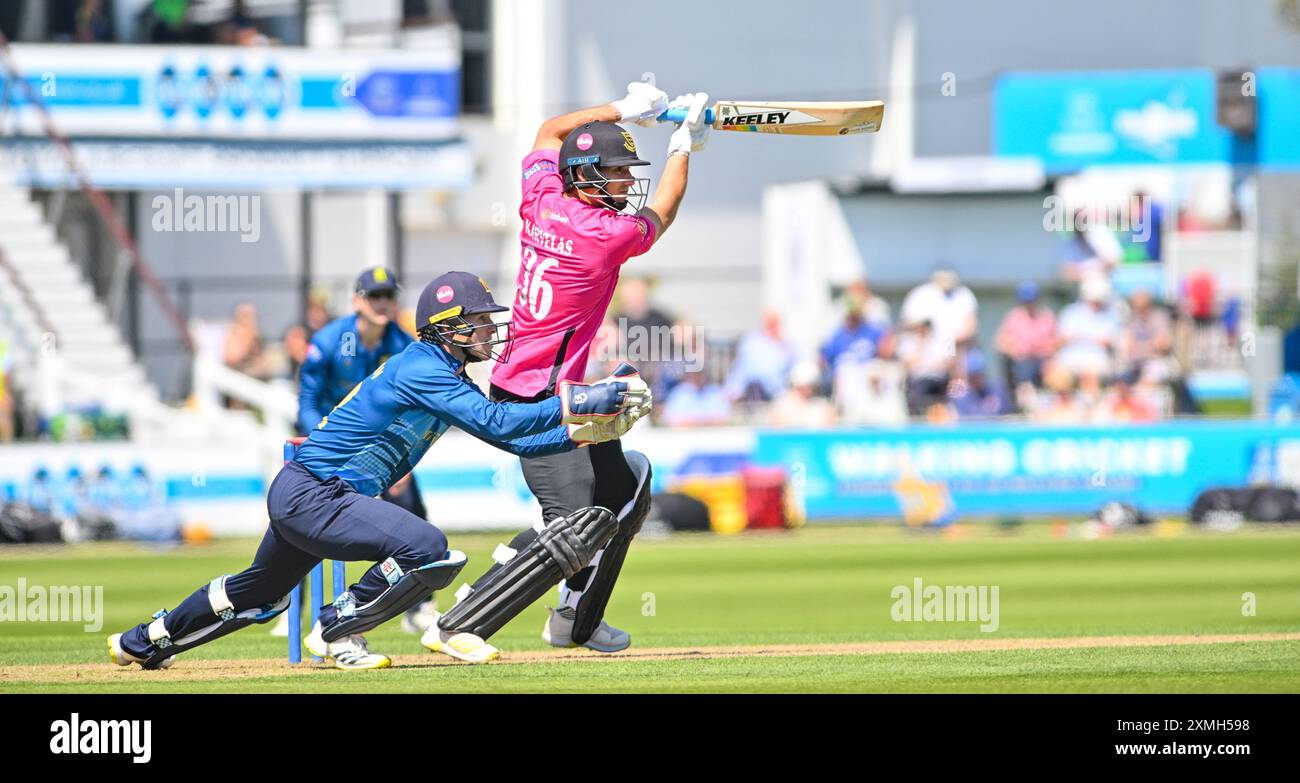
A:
[(830, 585)]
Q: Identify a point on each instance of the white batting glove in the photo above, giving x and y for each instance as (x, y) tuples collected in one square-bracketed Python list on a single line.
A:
[(693, 134), (644, 102)]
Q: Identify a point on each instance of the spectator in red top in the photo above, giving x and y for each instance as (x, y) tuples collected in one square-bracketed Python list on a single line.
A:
[(1198, 297), (1025, 338)]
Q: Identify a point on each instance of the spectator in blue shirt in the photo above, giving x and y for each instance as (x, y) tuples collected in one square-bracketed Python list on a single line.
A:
[(349, 349), (763, 362), (695, 402), (855, 339), (979, 396)]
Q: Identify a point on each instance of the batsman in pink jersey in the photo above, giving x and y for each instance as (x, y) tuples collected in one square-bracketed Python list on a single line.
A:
[(585, 215)]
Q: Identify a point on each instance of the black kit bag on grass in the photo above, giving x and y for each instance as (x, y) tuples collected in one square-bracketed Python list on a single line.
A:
[(681, 512), (22, 524), (1220, 501), (1273, 504)]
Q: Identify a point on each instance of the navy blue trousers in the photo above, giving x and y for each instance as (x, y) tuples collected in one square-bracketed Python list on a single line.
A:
[(311, 520)]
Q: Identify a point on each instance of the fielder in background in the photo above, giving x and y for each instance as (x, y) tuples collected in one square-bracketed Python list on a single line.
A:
[(323, 503), (584, 215), (341, 355)]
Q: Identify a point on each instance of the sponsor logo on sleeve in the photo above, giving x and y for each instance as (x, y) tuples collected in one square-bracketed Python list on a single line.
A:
[(539, 166)]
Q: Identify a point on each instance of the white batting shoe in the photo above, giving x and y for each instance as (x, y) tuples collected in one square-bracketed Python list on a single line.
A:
[(462, 646), (558, 632), (349, 653), (117, 654)]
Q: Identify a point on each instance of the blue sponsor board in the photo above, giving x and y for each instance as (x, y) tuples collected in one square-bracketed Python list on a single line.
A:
[(1072, 120), (240, 93), (1279, 117), (1018, 469), (105, 91)]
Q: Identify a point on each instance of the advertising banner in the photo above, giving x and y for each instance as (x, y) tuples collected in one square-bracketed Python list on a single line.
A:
[(248, 93), (1019, 469)]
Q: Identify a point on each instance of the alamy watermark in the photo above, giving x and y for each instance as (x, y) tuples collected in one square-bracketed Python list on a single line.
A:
[(922, 603), (78, 735), (26, 603), (639, 344), (220, 213), (1133, 218)]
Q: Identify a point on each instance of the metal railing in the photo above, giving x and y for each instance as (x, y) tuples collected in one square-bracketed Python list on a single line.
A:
[(103, 207)]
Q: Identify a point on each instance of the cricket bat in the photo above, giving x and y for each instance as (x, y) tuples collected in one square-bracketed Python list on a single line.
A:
[(793, 118)]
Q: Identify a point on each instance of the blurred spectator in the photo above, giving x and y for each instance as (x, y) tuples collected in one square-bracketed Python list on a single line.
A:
[(635, 306), (167, 21), (1088, 331), (799, 406), (1091, 249), (855, 339), (244, 349), (7, 407), (1091, 396), (651, 330), (604, 355), (295, 349), (318, 313), (875, 310), (94, 23), (696, 402), (949, 307), (928, 360), (873, 392), (1147, 340), (1027, 337), (1058, 404), (1200, 292), (762, 364), (238, 30), (978, 396), (1126, 404), (1145, 228)]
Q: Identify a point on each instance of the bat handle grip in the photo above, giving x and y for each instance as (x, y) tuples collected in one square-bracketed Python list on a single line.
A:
[(679, 115)]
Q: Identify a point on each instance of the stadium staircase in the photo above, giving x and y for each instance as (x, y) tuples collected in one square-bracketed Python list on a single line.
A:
[(65, 353), (47, 293)]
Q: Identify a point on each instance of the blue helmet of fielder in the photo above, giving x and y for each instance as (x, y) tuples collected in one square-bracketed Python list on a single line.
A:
[(442, 313)]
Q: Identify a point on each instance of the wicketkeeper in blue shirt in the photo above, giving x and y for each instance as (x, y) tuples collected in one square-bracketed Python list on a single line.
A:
[(323, 503), (342, 354)]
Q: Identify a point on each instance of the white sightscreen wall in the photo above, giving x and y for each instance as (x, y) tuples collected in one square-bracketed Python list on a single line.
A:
[(990, 239)]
